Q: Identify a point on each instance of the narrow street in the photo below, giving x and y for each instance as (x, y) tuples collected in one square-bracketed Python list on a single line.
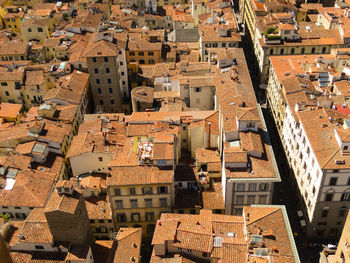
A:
[(285, 193)]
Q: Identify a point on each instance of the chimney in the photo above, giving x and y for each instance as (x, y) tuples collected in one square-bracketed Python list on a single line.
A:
[(209, 127)]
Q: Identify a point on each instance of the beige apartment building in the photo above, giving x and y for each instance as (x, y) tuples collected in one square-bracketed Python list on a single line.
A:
[(313, 125), (103, 66)]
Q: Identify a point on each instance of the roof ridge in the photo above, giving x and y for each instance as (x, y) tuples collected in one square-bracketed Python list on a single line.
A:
[(131, 231), (336, 151), (30, 192), (267, 214)]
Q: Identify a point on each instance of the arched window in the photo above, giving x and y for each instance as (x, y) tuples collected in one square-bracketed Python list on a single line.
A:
[(345, 196)]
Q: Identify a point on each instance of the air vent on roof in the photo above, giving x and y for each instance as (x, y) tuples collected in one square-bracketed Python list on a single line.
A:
[(339, 161), (99, 53), (256, 239), (231, 234), (21, 236), (324, 125), (217, 242), (11, 174), (261, 252)]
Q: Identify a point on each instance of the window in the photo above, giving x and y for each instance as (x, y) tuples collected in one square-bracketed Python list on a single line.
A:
[(147, 190), (240, 187), (109, 81), (96, 71), (251, 199), (149, 216), (3, 83), (141, 53), (107, 70), (132, 53), (345, 197), (150, 228), (302, 50), (121, 218), (162, 190), (345, 148), (239, 199), (142, 61), (123, 82), (342, 211), (313, 50), (264, 187), (292, 51), (119, 204), (148, 203), (101, 221), (151, 61), (97, 81), (198, 90), (163, 202), (112, 102), (110, 90), (252, 187), (179, 248), (262, 199), (271, 51), (100, 159), (324, 50), (150, 53), (29, 30), (92, 221), (132, 191), (189, 250), (231, 45), (135, 217), (133, 203), (99, 91), (122, 73), (117, 191), (7, 93), (215, 44), (39, 247), (40, 29), (250, 125), (106, 59), (329, 197), (282, 51), (324, 213), (223, 44), (333, 181)]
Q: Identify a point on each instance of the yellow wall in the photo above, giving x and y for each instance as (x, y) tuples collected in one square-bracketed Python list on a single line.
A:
[(136, 56), (34, 33), (141, 203), (14, 23)]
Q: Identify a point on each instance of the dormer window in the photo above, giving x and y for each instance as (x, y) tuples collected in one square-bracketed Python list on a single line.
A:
[(250, 125)]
